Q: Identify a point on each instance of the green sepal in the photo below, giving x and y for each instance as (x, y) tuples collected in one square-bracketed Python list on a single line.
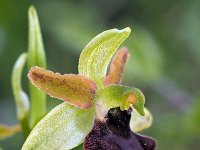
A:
[(65, 127), (118, 96), (96, 56)]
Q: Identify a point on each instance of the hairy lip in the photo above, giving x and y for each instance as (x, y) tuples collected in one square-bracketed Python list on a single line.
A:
[(114, 134)]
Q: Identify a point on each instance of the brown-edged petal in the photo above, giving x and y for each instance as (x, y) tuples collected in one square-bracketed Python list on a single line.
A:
[(117, 66), (75, 89)]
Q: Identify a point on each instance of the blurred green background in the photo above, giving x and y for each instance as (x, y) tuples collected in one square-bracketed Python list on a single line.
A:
[(164, 63)]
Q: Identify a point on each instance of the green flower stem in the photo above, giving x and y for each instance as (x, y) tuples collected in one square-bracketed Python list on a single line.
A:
[(36, 57), (38, 105), (25, 125), (21, 99)]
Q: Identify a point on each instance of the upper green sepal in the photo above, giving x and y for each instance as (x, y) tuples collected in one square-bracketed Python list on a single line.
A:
[(65, 127), (97, 54), (121, 96)]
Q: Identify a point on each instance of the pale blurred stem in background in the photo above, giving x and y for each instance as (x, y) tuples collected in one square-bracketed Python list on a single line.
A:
[(21, 99)]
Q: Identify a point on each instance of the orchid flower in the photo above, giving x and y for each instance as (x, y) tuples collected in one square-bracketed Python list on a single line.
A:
[(97, 110)]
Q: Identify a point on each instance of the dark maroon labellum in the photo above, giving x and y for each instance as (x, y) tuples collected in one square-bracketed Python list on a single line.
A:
[(115, 134)]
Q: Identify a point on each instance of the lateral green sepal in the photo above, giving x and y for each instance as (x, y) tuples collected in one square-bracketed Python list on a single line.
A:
[(64, 127)]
